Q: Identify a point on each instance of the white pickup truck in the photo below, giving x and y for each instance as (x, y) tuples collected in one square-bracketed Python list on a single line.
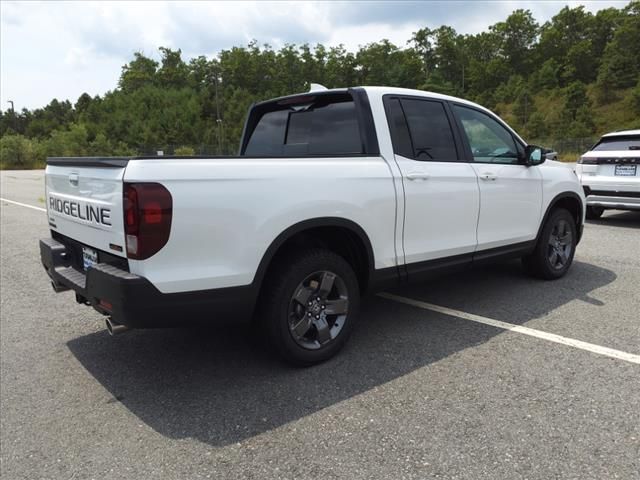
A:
[(334, 193)]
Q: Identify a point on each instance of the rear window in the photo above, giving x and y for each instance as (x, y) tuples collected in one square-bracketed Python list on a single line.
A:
[(608, 144), (268, 136), (326, 126), (430, 130)]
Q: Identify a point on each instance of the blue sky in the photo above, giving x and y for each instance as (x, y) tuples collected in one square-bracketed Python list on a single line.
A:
[(62, 49)]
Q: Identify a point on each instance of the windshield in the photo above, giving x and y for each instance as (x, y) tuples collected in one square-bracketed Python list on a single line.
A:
[(609, 144)]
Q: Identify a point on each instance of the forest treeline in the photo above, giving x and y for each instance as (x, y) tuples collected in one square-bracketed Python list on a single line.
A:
[(575, 76)]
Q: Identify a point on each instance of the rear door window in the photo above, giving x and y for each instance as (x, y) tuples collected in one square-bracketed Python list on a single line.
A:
[(328, 126), (398, 128), (430, 130)]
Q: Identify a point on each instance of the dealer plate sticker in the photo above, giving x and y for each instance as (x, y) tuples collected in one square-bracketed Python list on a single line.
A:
[(89, 257), (626, 170)]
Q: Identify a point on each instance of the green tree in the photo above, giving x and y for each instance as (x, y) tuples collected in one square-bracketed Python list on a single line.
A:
[(424, 44), (582, 126), (524, 107), (516, 37), (576, 99), (83, 103), (635, 98), (383, 63), (537, 126), (15, 152), (621, 62), (141, 71), (486, 68), (566, 38), (173, 72)]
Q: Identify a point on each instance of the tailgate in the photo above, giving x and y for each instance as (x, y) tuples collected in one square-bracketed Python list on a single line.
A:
[(84, 202)]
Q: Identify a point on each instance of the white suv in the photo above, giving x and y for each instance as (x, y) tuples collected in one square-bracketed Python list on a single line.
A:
[(610, 173)]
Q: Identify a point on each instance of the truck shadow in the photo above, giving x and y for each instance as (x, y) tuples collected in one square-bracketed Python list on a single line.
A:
[(217, 386)]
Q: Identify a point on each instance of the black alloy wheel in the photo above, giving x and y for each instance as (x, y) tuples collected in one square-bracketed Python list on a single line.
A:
[(309, 305)]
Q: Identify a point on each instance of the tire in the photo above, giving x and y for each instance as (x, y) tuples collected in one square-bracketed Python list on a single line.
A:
[(593, 213), (555, 249), (295, 300)]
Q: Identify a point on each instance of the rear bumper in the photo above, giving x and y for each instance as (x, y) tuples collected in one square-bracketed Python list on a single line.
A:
[(612, 198), (133, 301)]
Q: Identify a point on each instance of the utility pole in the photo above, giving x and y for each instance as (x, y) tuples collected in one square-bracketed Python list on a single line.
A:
[(218, 119), (15, 120), (463, 56)]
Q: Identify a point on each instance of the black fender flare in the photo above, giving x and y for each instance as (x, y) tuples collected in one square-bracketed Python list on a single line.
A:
[(299, 227), (554, 202)]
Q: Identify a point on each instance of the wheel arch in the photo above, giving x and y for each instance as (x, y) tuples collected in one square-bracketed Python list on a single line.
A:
[(572, 202), (343, 236)]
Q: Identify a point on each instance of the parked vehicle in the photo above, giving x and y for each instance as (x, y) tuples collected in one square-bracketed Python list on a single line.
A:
[(610, 173), (550, 154), (334, 193)]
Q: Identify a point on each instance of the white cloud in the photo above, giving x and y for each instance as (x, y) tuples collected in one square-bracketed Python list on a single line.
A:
[(79, 57), (62, 49)]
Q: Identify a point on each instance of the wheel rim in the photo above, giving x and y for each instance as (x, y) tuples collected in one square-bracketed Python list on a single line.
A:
[(560, 245), (318, 310)]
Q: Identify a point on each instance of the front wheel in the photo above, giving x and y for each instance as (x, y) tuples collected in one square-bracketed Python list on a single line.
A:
[(556, 247), (309, 306)]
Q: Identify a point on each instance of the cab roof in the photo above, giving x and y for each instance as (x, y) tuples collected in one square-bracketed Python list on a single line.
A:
[(621, 133), (378, 90)]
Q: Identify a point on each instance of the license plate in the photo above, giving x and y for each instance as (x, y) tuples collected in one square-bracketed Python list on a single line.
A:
[(89, 257), (626, 170)]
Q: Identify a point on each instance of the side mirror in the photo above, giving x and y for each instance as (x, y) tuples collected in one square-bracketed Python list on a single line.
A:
[(533, 155)]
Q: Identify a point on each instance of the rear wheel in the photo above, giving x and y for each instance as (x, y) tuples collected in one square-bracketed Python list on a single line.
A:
[(594, 213), (309, 305), (556, 247)]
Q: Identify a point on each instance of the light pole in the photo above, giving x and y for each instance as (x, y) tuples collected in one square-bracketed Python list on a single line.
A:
[(218, 119), (15, 120)]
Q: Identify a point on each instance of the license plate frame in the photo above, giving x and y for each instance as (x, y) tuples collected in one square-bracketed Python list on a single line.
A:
[(626, 170), (89, 257)]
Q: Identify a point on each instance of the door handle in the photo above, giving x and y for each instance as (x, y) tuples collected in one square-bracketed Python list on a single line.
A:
[(488, 176), (418, 176)]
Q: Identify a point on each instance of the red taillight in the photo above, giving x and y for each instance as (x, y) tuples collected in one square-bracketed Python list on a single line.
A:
[(148, 208)]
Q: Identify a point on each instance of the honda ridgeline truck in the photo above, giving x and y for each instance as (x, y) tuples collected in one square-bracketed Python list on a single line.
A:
[(334, 193)]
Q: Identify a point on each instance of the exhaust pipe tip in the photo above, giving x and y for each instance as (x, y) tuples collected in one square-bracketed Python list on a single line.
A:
[(115, 328)]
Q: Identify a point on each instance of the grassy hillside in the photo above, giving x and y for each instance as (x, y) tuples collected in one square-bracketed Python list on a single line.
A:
[(617, 113)]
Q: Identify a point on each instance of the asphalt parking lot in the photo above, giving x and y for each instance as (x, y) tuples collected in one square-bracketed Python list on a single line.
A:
[(415, 394)]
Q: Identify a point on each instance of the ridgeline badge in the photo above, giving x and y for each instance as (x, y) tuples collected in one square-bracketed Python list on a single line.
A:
[(88, 213)]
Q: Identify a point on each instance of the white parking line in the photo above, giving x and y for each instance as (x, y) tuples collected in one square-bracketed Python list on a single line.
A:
[(24, 205), (551, 337)]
